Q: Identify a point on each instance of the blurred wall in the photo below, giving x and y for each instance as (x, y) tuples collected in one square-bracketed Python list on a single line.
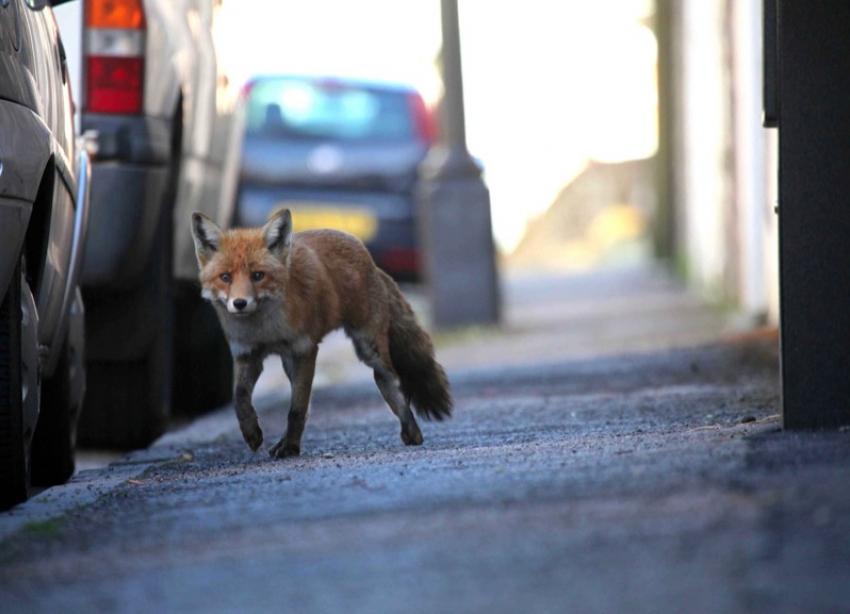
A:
[(719, 162)]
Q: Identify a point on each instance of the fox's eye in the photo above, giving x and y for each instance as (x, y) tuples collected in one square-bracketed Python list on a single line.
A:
[(257, 275), (225, 277)]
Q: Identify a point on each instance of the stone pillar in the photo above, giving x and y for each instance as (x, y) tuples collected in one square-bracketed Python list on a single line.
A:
[(455, 228)]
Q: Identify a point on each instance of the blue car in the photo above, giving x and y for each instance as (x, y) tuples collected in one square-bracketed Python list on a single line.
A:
[(339, 153)]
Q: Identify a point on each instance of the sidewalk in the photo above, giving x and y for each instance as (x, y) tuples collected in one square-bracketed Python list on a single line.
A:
[(615, 449), (549, 316)]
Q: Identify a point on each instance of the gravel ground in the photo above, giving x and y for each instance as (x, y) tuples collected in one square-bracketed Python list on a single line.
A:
[(653, 482), (569, 480)]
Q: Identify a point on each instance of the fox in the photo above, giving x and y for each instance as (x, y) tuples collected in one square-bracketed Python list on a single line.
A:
[(280, 292)]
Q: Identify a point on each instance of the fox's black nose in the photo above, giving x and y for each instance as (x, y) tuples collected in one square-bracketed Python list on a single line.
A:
[(240, 303)]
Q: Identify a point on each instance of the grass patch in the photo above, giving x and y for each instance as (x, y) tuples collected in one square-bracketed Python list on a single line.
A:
[(43, 528), (466, 334)]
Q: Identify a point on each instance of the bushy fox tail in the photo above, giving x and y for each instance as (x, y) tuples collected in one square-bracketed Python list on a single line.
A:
[(423, 380)]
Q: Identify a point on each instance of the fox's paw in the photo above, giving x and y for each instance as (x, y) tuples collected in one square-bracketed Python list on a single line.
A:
[(284, 450), (253, 437), (412, 438)]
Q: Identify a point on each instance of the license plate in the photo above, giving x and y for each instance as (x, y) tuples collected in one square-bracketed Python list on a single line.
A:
[(358, 221)]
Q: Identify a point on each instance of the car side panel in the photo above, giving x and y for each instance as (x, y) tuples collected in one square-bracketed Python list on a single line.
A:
[(50, 294), (204, 180), (22, 161), (53, 103)]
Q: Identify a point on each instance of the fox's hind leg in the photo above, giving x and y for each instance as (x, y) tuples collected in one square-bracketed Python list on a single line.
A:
[(387, 382), (247, 370), (376, 354)]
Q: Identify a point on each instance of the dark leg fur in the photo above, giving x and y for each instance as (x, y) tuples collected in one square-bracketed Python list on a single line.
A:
[(390, 390), (246, 372), (376, 354), (300, 371)]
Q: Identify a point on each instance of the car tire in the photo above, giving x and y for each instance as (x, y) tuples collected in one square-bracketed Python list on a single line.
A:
[(128, 409), (14, 461), (203, 357), (128, 401), (53, 443)]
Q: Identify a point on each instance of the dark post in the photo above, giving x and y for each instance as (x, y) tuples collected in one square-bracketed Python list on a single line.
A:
[(664, 227), (813, 107), (454, 208)]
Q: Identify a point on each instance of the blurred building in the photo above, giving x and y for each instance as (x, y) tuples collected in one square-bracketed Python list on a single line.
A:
[(717, 165)]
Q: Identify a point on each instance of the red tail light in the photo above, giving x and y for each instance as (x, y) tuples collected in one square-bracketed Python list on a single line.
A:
[(245, 90), (114, 84), (114, 65), (400, 261), (426, 128)]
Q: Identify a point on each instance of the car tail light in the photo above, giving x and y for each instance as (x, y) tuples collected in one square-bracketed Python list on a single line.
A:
[(423, 119), (245, 91), (114, 64), (400, 261)]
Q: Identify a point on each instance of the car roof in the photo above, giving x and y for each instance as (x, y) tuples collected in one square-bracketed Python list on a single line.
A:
[(334, 79)]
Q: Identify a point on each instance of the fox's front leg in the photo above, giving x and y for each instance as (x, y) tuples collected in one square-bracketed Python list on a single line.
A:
[(300, 370), (246, 372)]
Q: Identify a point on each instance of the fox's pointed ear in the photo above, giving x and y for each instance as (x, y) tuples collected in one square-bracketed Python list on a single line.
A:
[(277, 234), (207, 237)]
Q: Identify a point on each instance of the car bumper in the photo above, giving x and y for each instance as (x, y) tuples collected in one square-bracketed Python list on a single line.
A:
[(129, 179), (125, 206)]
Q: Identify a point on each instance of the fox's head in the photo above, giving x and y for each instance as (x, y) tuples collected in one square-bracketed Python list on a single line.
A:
[(239, 268)]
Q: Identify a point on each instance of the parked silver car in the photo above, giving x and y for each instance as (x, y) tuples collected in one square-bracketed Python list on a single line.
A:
[(44, 188), (153, 100)]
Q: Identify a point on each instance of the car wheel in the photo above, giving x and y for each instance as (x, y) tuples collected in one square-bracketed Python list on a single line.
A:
[(127, 408), (128, 401), (19, 388), (54, 440), (203, 357)]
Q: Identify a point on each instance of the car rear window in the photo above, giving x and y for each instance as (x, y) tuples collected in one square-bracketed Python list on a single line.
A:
[(328, 110)]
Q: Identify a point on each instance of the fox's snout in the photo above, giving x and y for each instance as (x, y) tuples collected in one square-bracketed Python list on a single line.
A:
[(241, 294), (235, 303), (241, 305)]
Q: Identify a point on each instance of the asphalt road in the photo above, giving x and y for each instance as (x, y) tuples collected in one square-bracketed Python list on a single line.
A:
[(649, 481)]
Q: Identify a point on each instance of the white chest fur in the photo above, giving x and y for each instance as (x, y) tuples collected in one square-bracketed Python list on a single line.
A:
[(266, 331)]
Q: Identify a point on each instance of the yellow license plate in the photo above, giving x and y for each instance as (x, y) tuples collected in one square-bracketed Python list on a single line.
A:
[(358, 221)]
